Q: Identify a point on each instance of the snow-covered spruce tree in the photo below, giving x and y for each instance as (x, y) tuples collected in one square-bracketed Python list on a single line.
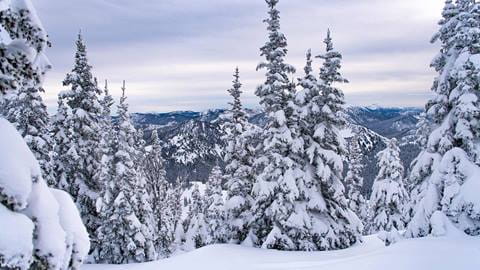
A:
[(26, 66), (354, 181), (82, 97), (277, 221), (332, 224), (215, 208), (27, 111), (122, 237), (107, 173), (41, 228), (108, 138), (389, 197), (195, 224), (171, 214), (157, 186), (445, 173), (145, 211), (64, 153), (108, 134), (144, 207), (239, 156)]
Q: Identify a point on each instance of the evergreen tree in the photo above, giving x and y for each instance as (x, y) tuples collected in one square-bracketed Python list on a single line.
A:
[(214, 208), (444, 173), (275, 223), (195, 224), (23, 66), (330, 223), (157, 185), (329, 152), (22, 49), (388, 199), (122, 236), (239, 158), (27, 111), (86, 118), (171, 215), (108, 134), (144, 207), (45, 226), (354, 181), (65, 155)]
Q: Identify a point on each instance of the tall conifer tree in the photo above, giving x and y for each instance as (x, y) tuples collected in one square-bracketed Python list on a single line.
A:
[(389, 197), (82, 97), (123, 237), (240, 152), (275, 220), (445, 173)]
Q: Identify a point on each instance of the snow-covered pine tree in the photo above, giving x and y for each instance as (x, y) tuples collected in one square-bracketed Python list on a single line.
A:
[(108, 139), (330, 223), (43, 222), (22, 48), (445, 173), (328, 152), (195, 224), (171, 214), (157, 186), (82, 97), (122, 237), (239, 156), (64, 152), (107, 173), (144, 208), (155, 168), (275, 222), (26, 64), (27, 111), (354, 181), (389, 197), (147, 217), (108, 134), (215, 208)]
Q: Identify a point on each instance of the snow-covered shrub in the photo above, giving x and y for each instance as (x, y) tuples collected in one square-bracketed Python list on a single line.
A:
[(390, 237), (46, 235)]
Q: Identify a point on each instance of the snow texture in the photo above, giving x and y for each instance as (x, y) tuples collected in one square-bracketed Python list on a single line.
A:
[(412, 254)]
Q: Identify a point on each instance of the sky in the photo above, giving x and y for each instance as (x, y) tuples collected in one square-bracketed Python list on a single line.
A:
[(180, 54)]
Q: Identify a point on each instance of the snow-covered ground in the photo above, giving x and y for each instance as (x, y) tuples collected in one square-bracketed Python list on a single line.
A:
[(439, 253)]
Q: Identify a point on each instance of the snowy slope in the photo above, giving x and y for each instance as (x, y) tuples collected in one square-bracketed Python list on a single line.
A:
[(439, 253)]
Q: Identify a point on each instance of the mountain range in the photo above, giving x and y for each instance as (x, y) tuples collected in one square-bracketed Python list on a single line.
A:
[(192, 142)]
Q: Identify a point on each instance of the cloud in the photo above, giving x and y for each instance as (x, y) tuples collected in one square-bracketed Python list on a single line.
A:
[(180, 54)]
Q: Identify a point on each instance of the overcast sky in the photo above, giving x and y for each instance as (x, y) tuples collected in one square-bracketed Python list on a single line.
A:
[(180, 54)]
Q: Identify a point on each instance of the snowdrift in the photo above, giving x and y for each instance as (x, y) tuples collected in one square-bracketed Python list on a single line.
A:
[(440, 253)]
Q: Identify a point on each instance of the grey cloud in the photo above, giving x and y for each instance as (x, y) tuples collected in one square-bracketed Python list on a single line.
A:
[(171, 49)]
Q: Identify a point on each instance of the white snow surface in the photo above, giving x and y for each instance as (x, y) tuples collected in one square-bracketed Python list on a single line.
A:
[(439, 253), (16, 162), (40, 223), (15, 228), (77, 239)]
